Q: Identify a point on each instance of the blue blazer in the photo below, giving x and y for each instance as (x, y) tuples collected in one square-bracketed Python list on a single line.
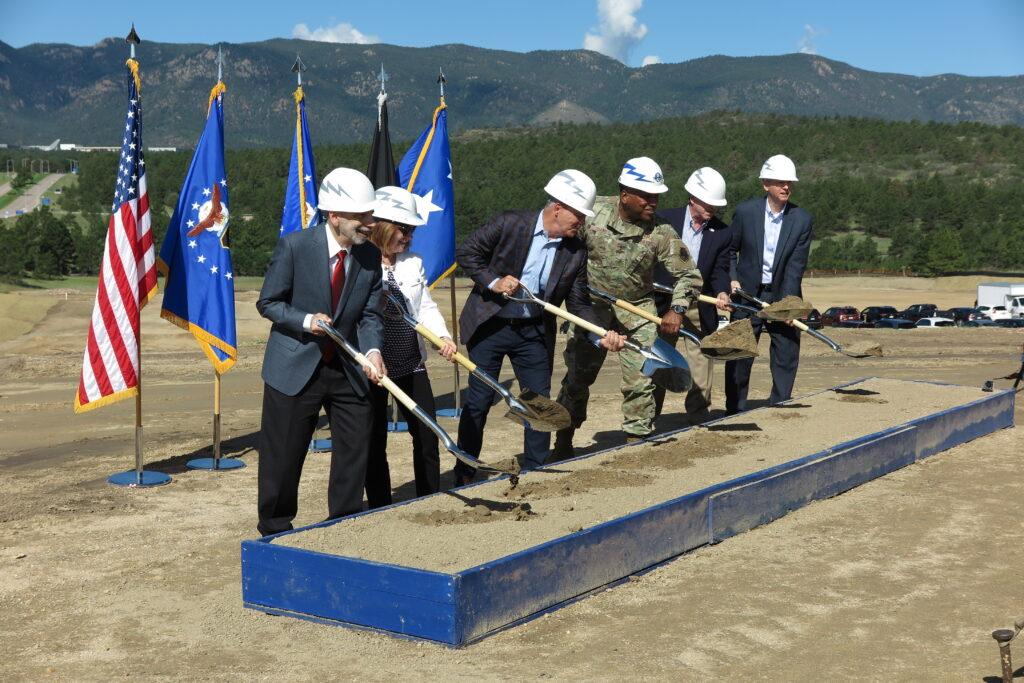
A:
[(713, 263), (298, 283), (790, 253)]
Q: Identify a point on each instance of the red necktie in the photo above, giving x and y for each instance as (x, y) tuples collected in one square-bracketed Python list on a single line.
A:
[(337, 284), (337, 281)]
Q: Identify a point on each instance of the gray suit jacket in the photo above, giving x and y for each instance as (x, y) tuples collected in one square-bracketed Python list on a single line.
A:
[(499, 248), (790, 254), (297, 283)]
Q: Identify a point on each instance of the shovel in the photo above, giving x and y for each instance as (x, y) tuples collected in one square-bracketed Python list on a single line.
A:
[(794, 308), (406, 400), (662, 363), (733, 342), (529, 409), (868, 351)]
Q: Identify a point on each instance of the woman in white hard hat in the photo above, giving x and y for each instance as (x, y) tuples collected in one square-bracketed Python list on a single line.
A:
[(404, 351)]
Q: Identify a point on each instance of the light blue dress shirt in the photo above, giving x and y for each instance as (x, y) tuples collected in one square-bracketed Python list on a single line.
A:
[(772, 228), (536, 271), (692, 238)]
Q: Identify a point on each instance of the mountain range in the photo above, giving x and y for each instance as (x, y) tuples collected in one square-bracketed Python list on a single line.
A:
[(77, 93)]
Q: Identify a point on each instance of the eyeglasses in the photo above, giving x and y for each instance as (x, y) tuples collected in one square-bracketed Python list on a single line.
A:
[(406, 229)]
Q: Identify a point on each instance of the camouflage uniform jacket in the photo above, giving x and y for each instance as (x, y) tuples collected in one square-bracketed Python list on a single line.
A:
[(622, 256)]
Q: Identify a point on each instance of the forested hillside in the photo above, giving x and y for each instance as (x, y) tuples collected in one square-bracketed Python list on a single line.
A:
[(938, 197)]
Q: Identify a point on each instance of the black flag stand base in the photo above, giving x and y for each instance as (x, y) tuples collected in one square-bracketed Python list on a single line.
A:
[(216, 463)]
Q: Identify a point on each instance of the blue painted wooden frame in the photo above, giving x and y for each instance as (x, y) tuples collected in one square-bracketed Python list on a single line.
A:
[(459, 608)]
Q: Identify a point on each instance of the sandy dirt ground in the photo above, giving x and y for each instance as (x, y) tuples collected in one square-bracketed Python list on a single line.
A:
[(904, 577)]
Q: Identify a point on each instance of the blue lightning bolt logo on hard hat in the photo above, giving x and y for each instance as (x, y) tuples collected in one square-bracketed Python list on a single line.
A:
[(644, 174)]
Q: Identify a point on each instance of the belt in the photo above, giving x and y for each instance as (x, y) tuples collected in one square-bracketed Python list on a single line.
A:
[(515, 323)]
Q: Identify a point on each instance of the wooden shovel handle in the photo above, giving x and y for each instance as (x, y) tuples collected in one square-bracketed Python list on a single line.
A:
[(574, 319), (438, 342), (709, 300), (632, 308)]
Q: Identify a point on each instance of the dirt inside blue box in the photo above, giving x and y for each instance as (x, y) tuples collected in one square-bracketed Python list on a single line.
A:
[(463, 528)]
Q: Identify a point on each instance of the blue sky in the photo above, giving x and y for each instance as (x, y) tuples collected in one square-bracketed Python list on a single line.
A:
[(979, 38)]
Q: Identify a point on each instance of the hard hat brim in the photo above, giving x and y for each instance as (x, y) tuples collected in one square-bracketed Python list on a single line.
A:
[(792, 179), (649, 188), (355, 208)]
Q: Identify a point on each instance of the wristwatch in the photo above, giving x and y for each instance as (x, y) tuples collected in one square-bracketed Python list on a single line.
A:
[(681, 310)]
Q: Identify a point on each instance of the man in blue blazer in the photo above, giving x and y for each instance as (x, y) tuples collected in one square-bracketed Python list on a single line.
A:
[(771, 239), (709, 242), (326, 272)]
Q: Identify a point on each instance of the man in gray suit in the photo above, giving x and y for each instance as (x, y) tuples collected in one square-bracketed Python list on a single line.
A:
[(327, 272), (771, 239)]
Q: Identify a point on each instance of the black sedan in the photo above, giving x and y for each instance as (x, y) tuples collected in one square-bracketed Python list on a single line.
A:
[(872, 314), (894, 324)]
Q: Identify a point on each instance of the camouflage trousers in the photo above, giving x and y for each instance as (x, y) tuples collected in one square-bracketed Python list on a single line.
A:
[(698, 398), (583, 361)]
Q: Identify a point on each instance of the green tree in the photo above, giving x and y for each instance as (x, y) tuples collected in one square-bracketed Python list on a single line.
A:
[(22, 180), (944, 253)]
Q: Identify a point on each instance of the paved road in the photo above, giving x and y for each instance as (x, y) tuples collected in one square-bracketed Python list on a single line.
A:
[(30, 200)]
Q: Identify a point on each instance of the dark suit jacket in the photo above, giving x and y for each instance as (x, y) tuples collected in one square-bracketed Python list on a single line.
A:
[(298, 282), (790, 253), (712, 262), (500, 248)]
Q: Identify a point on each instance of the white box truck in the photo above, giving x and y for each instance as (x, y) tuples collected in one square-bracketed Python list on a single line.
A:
[(1001, 299)]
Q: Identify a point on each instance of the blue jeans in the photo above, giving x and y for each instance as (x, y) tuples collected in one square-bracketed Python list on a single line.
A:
[(524, 344)]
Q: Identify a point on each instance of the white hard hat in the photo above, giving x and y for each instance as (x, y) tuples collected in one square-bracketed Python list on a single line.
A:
[(397, 205), (642, 173), (779, 167), (573, 188), (707, 185), (348, 190)]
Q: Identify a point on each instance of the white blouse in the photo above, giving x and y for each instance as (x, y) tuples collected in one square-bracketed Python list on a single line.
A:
[(412, 280)]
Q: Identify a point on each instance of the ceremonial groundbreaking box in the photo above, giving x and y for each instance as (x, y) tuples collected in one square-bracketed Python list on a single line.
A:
[(459, 565)]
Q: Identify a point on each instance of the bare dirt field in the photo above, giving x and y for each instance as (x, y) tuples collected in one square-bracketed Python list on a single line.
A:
[(903, 577)]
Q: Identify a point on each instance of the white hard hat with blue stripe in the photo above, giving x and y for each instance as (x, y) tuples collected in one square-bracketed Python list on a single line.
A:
[(644, 174)]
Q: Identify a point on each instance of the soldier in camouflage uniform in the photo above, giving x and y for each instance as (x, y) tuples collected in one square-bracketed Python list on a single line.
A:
[(625, 240)]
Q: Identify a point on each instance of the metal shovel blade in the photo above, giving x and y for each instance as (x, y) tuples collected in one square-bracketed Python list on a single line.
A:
[(667, 368), (539, 413)]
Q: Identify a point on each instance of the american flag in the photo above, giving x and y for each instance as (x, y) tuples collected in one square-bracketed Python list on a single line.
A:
[(127, 281)]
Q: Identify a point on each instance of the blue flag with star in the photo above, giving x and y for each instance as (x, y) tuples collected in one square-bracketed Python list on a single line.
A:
[(199, 292), (426, 171), (300, 192)]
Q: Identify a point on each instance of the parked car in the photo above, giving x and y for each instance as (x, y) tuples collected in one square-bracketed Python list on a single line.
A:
[(963, 314), (832, 317), (994, 312), (872, 314), (1009, 322), (981, 322), (918, 311), (935, 321), (894, 323), (812, 319)]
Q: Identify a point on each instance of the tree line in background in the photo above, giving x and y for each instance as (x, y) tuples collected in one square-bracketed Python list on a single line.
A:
[(943, 197)]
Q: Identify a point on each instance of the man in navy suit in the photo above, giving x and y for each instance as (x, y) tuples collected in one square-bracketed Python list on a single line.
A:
[(327, 272), (709, 242), (771, 241), (541, 250)]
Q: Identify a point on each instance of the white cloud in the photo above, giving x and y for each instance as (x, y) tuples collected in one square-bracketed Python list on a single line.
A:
[(618, 30), (808, 41), (343, 32), (651, 59)]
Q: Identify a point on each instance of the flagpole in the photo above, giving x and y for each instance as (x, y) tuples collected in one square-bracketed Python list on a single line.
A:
[(456, 379), (216, 463), (139, 477)]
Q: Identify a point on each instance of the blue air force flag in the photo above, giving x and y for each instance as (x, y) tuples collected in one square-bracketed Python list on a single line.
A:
[(426, 171), (199, 294), (300, 191)]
